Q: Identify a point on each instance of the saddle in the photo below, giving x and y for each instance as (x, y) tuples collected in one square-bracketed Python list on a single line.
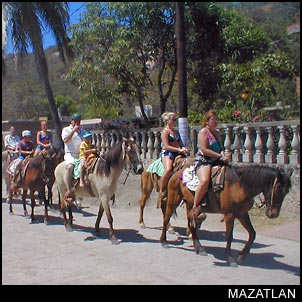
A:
[(191, 181), (21, 170), (88, 169)]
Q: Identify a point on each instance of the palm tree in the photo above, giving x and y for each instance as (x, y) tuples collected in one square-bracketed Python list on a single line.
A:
[(26, 21)]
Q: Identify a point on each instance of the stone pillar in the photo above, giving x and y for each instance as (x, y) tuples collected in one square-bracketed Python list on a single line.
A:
[(295, 153), (282, 157), (270, 155), (259, 156), (247, 156), (237, 157)]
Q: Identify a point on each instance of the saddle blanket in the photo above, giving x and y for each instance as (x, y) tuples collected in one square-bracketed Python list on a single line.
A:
[(77, 168), (191, 181), (156, 167)]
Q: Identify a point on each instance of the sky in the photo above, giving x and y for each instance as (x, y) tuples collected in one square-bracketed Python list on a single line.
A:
[(75, 9)]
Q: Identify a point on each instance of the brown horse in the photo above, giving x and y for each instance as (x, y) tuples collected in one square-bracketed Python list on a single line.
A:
[(242, 184), (35, 177), (103, 182), (151, 182)]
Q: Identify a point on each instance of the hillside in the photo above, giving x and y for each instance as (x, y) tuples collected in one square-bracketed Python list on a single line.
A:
[(23, 96)]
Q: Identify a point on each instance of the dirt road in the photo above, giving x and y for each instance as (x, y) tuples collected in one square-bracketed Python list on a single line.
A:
[(40, 254)]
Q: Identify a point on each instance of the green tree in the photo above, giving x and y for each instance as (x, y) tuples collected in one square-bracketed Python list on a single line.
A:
[(119, 46), (25, 21)]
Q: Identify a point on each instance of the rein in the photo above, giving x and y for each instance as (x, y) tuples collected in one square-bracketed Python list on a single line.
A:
[(124, 156)]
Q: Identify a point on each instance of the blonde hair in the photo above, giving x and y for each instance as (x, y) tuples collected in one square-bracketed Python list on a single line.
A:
[(166, 116), (208, 115)]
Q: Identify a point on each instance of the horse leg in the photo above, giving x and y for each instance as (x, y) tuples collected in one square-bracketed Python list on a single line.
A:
[(62, 207), (98, 220), (163, 206), (168, 208), (10, 203), (142, 204), (46, 218), (24, 194), (49, 196), (67, 222), (33, 204), (246, 223), (106, 207), (229, 226)]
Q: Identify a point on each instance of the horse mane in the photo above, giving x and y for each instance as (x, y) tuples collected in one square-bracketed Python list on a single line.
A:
[(36, 161), (110, 160), (253, 175)]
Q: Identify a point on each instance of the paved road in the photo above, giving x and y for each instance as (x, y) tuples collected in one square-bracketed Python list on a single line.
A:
[(40, 254)]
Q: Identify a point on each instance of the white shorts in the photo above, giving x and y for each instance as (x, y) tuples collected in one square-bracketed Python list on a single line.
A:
[(69, 159)]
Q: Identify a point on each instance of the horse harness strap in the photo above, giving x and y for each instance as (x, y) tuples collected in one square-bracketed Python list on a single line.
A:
[(273, 190)]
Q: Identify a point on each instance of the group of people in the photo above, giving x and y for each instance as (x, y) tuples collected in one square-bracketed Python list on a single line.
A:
[(24, 147), (77, 146), (210, 153), (19, 148)]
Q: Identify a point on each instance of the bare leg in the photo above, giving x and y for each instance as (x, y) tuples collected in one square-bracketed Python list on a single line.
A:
[(82, 172), (203, 174)]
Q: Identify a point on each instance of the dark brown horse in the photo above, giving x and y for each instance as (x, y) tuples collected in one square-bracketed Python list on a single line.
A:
[(151, 182), (242, 184), (34, 178)]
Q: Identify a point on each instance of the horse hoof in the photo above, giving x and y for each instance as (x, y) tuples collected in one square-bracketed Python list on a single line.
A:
[(33, 221), (25, 214), (240, 259), (202, 252), (68, 228), (114, 240), (142, 225), (46, 221), (232, 262), (11, 213), (165, 245)]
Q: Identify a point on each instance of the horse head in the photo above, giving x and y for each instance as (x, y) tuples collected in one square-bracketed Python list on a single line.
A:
[(275, 196), (130, 150)]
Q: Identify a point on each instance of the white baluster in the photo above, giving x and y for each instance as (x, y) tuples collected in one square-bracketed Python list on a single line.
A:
[(247, 156), (157, 144), (282, 157), (150, 145), (295, 153), (227, 141), (259, 156), (270, 155), (236, 156), (144, 145)]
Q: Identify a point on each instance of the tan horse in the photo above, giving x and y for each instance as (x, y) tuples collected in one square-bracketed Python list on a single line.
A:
[(242, 184), (103, 182), (151, 181)]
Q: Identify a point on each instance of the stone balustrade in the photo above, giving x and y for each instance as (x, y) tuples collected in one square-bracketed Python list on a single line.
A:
[(265, 142)]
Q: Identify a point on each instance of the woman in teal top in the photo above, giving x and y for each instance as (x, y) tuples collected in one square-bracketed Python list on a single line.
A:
[(210, 154)]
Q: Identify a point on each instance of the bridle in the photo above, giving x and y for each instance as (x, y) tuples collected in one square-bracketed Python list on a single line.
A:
[(264, 201), (126, 151)]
